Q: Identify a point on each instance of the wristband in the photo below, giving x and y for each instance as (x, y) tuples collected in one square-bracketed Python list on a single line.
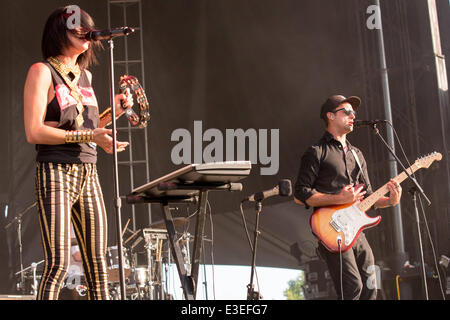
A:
[(79, 136)]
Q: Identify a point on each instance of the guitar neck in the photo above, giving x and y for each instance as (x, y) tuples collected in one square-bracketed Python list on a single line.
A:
[(370, 200)]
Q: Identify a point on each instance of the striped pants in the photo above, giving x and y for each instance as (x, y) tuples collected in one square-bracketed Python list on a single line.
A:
[(71, 193)]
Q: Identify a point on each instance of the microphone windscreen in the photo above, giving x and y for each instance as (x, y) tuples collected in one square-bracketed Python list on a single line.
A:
[(235, 187), (285, 187)]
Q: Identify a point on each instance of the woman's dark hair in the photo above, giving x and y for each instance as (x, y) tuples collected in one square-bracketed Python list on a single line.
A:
[(54, 38)]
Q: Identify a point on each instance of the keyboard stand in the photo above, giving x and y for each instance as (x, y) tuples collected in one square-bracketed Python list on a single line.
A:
[(190, 184)]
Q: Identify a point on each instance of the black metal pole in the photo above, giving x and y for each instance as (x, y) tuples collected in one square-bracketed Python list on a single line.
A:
[(117, 200)]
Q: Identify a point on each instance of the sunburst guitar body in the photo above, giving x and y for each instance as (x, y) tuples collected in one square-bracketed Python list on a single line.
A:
[(339, 226)]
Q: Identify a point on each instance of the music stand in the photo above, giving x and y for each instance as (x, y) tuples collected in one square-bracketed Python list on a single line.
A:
[(190, 184)]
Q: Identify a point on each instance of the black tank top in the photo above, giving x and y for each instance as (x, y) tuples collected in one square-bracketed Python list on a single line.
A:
[(63, 109)]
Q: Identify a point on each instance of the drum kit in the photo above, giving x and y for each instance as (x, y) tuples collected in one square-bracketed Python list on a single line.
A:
[(147, 258)]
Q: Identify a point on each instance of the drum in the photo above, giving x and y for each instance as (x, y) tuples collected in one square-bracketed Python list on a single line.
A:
[(112, 257)]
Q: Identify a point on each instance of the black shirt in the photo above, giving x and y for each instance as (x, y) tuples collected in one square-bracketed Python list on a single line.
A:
[(326, 168), (63, 108)]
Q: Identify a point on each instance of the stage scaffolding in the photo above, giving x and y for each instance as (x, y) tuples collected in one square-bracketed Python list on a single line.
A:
[(129, 53)]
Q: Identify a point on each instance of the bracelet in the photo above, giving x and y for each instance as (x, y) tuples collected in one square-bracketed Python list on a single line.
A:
[(79, 136)]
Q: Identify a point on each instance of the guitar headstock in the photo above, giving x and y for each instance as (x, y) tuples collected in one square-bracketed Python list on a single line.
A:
[(427, 160)]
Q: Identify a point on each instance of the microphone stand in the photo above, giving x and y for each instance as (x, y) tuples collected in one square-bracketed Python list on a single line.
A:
[(251, 293), (117, 200), (413, 191)]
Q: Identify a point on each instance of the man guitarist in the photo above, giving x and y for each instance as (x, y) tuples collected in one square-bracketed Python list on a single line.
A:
[(334, 172)]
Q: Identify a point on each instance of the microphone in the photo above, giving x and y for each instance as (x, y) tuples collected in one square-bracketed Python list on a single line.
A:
[(107, 34), (283, 189), (362, 123)]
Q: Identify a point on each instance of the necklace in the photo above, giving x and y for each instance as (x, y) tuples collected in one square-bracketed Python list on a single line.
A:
[(70, 75)]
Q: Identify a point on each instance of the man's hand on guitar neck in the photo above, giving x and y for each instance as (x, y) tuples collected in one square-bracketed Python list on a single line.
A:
[(395, 193)]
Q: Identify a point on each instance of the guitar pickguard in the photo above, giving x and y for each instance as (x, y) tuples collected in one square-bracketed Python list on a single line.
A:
[(349, 221)]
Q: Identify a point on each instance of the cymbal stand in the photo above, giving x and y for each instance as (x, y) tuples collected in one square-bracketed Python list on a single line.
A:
[(168, 268), (186, 237), (166, 265), (154, 239), (33, 268), (149, 286), (18, 219), (157, 274), (35, 284)]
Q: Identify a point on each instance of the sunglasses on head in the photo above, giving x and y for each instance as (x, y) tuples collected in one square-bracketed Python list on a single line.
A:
[(347, 111)]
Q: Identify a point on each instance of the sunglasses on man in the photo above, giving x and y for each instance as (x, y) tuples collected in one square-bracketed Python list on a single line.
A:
[(348, 111)]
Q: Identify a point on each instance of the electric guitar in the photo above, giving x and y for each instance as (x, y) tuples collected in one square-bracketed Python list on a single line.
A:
[(338, 227)]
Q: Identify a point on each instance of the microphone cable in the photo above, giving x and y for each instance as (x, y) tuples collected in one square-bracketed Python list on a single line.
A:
[(339, 240)]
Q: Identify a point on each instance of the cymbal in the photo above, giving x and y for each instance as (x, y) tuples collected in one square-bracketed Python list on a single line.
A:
[(179, 221)]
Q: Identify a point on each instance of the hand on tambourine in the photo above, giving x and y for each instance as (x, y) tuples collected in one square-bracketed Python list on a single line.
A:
[(123, 101), (103, 139)]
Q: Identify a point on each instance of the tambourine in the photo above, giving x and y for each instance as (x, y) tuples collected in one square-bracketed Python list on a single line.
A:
[(140, 121), (139, 96)]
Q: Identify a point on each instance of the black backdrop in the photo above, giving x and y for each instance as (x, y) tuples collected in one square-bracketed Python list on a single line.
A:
[(247, 64)]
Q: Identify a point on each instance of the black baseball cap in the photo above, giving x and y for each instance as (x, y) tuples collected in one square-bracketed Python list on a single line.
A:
[(334, 101)]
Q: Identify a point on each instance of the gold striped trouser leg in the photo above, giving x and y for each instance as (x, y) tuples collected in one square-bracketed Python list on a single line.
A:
[(90, 224), (54, 203)]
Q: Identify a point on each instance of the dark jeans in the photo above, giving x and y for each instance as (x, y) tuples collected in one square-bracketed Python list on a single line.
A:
[(358, 270)]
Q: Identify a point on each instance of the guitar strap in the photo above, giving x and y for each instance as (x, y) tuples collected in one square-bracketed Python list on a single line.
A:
[(359, 165), (357, 159)]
